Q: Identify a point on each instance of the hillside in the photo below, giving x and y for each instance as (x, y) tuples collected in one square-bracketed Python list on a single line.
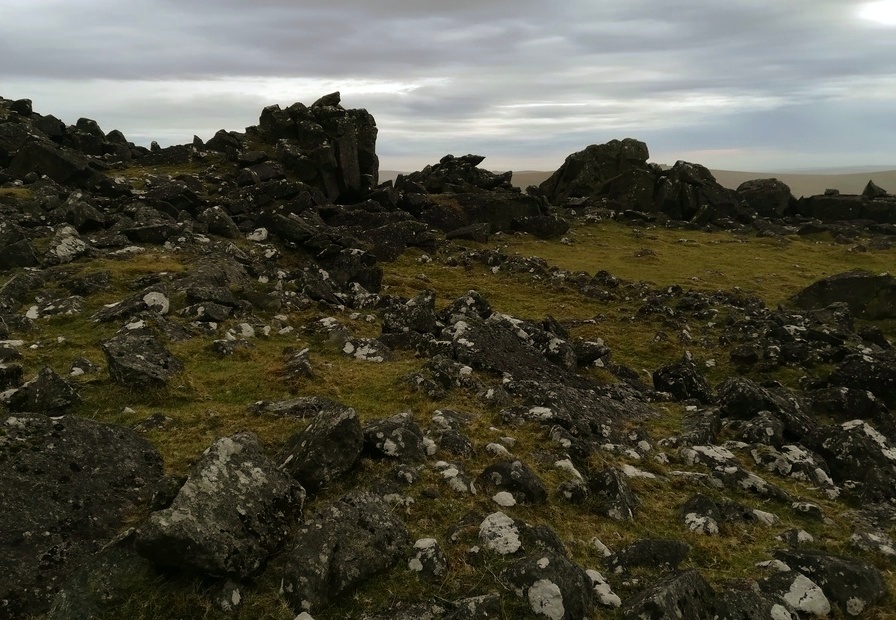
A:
[(243, 379)]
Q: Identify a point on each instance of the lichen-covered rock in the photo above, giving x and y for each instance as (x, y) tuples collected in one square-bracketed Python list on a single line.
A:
[(874, 372), (679, 595), (743, 399), (344, 544), (106, 580), (235, 510), (613, 495), (796, 592), (701, 514), (68, 487), (854, 585), (869, 296), (428, 560), (516, 478), (325, 449), (749, 605), (137, 359), (555, 587), (397, 437), (856, 451)]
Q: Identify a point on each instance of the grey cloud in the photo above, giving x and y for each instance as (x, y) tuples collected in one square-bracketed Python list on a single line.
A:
[(511, 78)]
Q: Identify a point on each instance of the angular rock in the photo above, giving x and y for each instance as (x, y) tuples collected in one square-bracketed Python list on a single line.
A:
[(516, 478), (233, 512), (852, 584), (679, 595), (327, 448), (796, 592), (554, 587), (138, 359), (428, 560), (874, 372), (653, 552), (683, 380), (343, 545), (767, 197), (398, 437), (614, 498), (46, 393)]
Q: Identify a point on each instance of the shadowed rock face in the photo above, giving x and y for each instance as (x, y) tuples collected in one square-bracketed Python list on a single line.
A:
[(618, 172), (868, 295), (67, 488)]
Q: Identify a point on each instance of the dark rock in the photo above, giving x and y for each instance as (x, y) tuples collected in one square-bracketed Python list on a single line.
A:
[(765, 428), (64, 166), (683, 380), (497, 209), (416, 314), (138, 359), (584, 173), (343, 545), (874, 372), (554, 586), (457, 175), (856, 451), (219, 223), (302, 407), (767, 197), (477, 608), (105, 581), (541, 226), (652, 552), (19, 254), (679, 595), (398, 437), (613, 496), (235, 510), (872, 191), (347, 266), (748, 605), (869, 296), (325, 449), (11, 376), (367, 349), (428, 561), (516, 478), (795, 591), (75, 482), (46, 393), (743, 399), (701, 514)]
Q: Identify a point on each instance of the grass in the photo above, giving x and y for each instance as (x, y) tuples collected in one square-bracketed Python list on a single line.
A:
[(209, 399)]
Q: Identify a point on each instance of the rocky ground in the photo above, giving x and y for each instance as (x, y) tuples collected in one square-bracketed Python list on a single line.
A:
[(242, 379)]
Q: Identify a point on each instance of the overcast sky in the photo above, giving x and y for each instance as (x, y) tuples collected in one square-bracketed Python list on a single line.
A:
[(758, 85)]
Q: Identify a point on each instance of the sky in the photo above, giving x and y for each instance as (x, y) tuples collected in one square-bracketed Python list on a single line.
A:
[(758, 85)]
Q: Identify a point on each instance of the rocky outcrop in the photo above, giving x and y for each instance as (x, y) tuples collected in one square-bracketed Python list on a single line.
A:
[(69, 486), (618, 173)]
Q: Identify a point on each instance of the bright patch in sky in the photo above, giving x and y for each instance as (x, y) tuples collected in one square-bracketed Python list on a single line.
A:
[(882, 12)]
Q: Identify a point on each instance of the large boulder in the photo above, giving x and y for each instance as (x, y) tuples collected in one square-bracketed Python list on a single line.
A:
[(64, 166), (457, 175), (343, 545), (868, 295), (69, 486), (767, 197), (235, 510), (852, 584)]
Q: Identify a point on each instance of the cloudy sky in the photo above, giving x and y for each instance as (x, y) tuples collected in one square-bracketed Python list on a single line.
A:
[(758, 85)]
